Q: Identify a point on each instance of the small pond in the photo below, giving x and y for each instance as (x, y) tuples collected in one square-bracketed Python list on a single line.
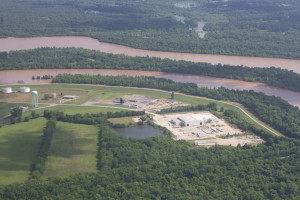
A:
[(139, 132)]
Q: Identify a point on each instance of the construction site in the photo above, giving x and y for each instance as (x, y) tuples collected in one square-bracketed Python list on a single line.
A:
[(204, 128)]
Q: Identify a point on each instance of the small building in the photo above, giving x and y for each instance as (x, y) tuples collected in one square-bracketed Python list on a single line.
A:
[(24, 89), (53, 95), (6, 90), (68, 97)]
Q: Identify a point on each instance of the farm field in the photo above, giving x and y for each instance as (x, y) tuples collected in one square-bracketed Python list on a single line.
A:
[(19, 144), (73, 150)]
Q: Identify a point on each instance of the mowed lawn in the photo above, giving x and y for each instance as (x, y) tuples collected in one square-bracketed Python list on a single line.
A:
[(73, 150), (19, 144)]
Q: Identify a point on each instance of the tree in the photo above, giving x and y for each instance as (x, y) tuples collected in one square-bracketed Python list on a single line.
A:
[(172, 95), (16, 112)]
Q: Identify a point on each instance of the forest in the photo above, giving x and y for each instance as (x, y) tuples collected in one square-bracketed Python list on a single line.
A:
[(270, 109), (248, 28), (72, 58), (161, 168)]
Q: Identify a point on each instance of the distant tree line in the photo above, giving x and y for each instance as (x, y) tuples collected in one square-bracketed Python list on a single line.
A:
[(71, 58), (38, 166), (272, 110), (210, 107), (89, 119), (248, 28)]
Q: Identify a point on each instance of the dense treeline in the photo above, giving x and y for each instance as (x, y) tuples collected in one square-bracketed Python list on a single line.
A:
[(161, 168), (272, 110), (89, 119), (38, 166), (53, 58), (250, 28), (210, 107)]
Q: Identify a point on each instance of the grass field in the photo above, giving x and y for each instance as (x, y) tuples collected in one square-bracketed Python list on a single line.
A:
[(5, 108), (78, 109), (122, 120), (19, 144), (73, 150)]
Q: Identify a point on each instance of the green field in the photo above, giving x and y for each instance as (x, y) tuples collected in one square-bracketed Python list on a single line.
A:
[(71, 110), (19, 144), (6, 107), (122, 120), (73, 150)]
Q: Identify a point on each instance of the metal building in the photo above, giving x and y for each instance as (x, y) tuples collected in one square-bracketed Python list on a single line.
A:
[(187, 120)]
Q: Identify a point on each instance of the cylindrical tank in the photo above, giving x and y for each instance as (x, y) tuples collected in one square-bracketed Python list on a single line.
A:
[(24, 89), (6, 90), (34, 92), (53, 95)]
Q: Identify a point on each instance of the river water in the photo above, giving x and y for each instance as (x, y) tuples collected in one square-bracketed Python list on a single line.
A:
[(8, 44), (13, 76)]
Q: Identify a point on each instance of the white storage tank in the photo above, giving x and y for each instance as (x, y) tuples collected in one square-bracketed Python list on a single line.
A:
[(6, 90), (24, 89)]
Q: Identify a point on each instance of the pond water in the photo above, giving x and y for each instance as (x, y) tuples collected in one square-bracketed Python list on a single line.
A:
[(139, 132)]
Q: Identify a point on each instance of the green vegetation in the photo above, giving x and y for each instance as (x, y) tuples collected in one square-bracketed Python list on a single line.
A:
[(19, 144), (53, 58), (71, 109), (122, 120), (267, 28), (73, 150), (5, 108), (161, 168), (38, 166)]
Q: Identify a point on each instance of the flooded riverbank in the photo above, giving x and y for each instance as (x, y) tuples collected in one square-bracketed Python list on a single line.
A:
[(11, 77), (9, 44)]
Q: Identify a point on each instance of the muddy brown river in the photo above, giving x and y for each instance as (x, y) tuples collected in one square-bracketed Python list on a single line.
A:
[(13, 76), (8, 44)]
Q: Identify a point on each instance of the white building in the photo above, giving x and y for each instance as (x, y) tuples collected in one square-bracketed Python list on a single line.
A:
[(188, 120)]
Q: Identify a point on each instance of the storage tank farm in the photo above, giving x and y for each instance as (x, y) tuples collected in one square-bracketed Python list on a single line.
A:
[(34, 99)]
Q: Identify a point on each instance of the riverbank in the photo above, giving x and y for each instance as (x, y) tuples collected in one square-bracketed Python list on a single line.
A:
[(11, 44)]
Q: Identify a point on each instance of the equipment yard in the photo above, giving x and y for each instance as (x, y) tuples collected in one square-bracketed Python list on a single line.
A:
[(205, 127), (142, 102)]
